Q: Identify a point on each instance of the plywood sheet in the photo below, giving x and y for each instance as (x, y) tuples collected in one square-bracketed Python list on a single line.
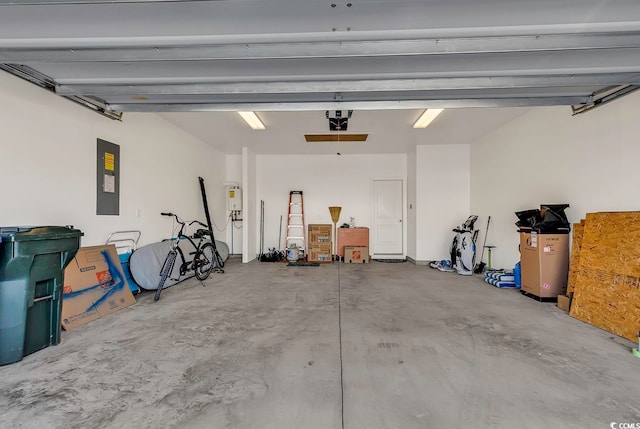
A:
[(607, 288), (576, 244)]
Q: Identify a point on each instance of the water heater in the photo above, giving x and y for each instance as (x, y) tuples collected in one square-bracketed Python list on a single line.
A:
[(234, 200)]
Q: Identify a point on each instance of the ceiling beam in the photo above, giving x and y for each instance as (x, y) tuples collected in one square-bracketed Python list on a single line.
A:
[(374, 85), (605, 96), (440, 46), (355, 105), (358, 96), (88, 39)]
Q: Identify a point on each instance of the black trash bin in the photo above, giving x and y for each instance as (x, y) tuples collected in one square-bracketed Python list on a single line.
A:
[(32, 262)]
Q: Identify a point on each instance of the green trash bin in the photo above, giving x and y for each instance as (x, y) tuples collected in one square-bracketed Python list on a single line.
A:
[(32, 262)]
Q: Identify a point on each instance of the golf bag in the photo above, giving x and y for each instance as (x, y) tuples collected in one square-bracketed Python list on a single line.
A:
[(463, 247)]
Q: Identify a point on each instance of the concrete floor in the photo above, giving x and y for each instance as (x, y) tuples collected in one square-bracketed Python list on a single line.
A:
[(259, 347)]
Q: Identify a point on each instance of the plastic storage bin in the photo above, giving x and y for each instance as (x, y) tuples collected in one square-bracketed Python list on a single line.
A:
[(516, 275), (32, 262)]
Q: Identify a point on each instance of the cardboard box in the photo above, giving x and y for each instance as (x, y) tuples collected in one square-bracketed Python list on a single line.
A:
[(356, 255), (94, 286), (320, 246), (564, 303), (320, 253), (320, 227), (544, 260), (319, 233), (319, 237)]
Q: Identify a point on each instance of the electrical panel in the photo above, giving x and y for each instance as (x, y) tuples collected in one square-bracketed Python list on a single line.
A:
[(234, 198)]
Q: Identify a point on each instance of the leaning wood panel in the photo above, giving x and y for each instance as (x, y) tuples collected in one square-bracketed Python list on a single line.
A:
[(576, 244), (607, 289)]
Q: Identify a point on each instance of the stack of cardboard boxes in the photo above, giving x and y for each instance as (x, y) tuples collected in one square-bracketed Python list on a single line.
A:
[(319, 243), (353, 244)]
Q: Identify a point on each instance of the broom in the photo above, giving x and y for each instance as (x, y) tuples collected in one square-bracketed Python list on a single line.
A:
[(480, 267), (335, 217)]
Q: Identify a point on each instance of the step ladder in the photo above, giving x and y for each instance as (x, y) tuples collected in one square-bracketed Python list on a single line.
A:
[(295, 222)]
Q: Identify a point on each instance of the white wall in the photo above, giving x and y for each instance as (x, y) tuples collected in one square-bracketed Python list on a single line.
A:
[(442, 197), (411, 203), (249, 206), (548, 156), (48, 166), (326, 180)]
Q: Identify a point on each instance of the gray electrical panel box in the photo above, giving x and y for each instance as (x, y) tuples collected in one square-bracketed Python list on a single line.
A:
[(108, 178)]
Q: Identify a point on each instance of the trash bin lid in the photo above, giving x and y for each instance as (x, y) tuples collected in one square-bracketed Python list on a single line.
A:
[(33, 233)]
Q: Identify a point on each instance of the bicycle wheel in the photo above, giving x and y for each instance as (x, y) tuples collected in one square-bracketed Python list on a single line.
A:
[(204, 261), (166, 271)]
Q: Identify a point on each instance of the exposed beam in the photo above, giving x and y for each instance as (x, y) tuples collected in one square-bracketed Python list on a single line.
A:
[(90, 41), (47, 83), (517, 64), (355, 105), (605, 96), (30, 75), (352, 86), (464, 94), (97, 106), (196, 51)]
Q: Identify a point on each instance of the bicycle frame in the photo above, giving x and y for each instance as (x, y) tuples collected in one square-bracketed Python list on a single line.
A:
[(194, 264), (187, 265)]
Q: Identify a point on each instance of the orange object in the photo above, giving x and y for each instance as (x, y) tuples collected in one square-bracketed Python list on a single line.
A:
[(295, 222), (356, 255), (357, 237)]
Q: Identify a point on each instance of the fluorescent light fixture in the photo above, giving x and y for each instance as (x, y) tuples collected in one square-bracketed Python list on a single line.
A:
[(426, 118), (252, 119)]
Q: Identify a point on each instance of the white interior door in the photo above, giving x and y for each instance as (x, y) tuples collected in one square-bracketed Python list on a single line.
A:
[(387, 217)]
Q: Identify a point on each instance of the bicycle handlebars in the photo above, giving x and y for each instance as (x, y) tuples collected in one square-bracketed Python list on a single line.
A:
[(183, 223)]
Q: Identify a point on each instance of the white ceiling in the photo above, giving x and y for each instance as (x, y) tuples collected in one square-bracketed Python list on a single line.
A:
[(305, 56), (390, 131)]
